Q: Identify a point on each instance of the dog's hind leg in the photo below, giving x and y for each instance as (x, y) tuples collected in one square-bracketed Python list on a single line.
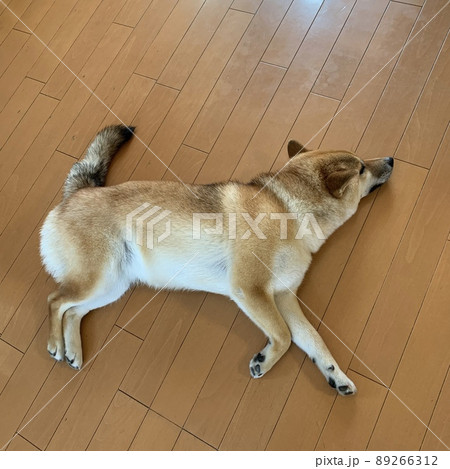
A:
[(308, 339), (72, 336), (58, 303), (67, 307), (260, 307)]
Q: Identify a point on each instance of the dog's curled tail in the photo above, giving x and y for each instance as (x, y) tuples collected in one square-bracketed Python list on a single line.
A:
[(92, 169)]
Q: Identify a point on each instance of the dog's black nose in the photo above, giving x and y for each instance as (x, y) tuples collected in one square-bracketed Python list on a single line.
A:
[(390, 161)]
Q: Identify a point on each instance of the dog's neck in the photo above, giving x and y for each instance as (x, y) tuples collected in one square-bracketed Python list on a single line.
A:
[(314, 211)]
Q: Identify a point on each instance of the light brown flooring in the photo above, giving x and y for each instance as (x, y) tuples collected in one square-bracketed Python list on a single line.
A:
[(216, 88)]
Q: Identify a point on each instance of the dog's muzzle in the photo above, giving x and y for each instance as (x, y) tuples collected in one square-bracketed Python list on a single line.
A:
[(385, 173)]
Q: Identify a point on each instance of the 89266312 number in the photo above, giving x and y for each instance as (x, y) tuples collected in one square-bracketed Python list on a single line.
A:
[(406, 461)]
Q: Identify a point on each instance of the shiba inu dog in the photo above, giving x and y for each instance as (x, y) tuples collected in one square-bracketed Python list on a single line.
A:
[(246, 241)]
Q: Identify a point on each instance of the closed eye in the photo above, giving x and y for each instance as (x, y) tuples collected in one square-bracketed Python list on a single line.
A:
[(363, 168)]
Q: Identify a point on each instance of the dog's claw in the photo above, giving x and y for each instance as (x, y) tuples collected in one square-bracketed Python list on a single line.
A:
[(70, 363)]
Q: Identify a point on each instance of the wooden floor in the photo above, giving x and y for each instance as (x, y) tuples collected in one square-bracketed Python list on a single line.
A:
[(216, 88)]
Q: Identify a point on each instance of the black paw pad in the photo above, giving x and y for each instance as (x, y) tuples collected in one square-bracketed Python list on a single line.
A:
[(331, 368), (256, 372), (345, 390), (332, 383), (260, 358)]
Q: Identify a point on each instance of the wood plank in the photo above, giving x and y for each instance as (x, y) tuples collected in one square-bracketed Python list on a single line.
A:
[(17, 107), (397, 427), (81, 49), (194, 360), (20, 444), (347, 53), (403, 89), (424, 133), (98, 389), (167, 40), (132, 52), (31, 312), (385, 334), (193, 44), (132, 12), (96, 115), (250, 430), (33, 15), (119, 424), (161, 345), (141, 310), (155, 434), (129, 102), (147, 122), (291, 32), (42, 148), (309, 401), (226, 92), (24, 134), (439, 423), (32, 49), (10, 47), (57, 392), (229, 377), (370, 78), (22, 276), (187, 162), (3, 6), (63, 40), (188, 442), (36, 202), (250, 6), (283, 110), (9, 359), (29, 376), (190, 100), (241, 125), (8, 19), (24, 175), (418, 3), (310, 126), (351, 421)]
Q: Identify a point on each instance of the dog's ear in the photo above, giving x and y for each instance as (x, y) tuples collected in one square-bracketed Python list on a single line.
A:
[(294, 148), (337, 181)]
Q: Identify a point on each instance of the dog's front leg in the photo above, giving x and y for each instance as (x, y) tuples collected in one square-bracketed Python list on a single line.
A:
[(260, 307), (308, 339)]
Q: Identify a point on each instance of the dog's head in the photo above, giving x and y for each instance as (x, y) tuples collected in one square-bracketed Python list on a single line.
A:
[(342, 173)]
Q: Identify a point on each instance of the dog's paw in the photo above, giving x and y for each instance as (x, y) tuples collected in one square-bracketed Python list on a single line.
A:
[(257, 365), (55, 349), (339, 381)]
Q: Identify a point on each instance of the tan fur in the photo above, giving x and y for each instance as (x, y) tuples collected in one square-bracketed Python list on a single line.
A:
[(84, 247)]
